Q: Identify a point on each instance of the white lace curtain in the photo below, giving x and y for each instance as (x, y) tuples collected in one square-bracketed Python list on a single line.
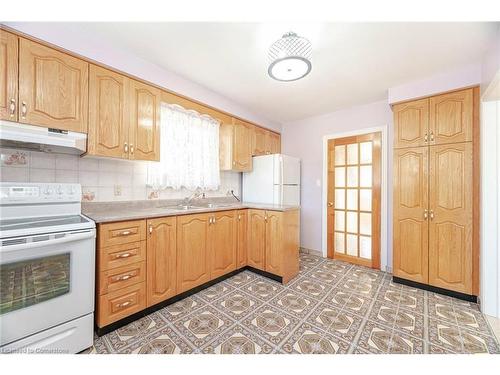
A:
[(189, 151)]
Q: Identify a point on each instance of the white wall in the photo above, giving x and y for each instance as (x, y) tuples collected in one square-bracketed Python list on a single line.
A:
[(304, 139), (82, 44)]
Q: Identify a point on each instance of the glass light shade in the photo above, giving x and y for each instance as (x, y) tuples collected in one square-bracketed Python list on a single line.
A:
[(290, 58)]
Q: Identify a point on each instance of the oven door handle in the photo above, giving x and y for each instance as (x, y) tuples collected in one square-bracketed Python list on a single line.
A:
[(69, 237)]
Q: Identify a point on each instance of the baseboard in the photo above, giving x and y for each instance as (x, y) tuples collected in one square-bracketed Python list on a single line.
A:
[(435, 289), (305, 250)]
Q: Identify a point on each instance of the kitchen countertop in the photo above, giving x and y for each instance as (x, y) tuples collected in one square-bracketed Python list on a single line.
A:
[(105, 212)]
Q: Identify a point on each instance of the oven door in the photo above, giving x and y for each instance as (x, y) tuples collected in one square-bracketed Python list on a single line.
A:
[(46, 280)]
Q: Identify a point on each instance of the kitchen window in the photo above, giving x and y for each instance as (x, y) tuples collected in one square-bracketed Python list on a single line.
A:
[(189, 151)]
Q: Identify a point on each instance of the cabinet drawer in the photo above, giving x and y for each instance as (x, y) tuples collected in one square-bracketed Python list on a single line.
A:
[(121, 255), (118, 278), (120, 304), (122, 232)]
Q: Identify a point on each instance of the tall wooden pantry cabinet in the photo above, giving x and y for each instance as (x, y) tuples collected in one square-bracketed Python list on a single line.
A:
[(436, 189)]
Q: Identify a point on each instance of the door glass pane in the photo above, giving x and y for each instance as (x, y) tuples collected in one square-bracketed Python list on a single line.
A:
[(340, 177), (352, 222), (365, 247), (365, 152), (340, 155), (365, 199), (352, 176), (340, 220), (365, 175), (33, 281), (352, 154), (352, 199), (365, 223), (340, 198), (352, 244), (339, 243)]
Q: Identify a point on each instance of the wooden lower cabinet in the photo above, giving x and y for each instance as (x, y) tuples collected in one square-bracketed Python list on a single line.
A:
[(256, 238), (141, 263), (161, 259), (223, 236), (273, 242), (242, 239), (193, 251)]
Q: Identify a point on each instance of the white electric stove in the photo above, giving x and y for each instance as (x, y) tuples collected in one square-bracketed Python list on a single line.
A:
[(47, 269)]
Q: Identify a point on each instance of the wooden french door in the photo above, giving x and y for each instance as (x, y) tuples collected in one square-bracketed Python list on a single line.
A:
[(353, 207)]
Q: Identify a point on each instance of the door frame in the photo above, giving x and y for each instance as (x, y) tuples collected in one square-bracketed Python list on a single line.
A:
[(384, 218)]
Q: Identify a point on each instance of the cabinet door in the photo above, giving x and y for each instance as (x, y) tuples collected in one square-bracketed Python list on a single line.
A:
[(193, 251), (53, 88), (161, 259), (256, 238), (108, 113), (242, 247), (226, 146), (259, 141), (8, 76), (451, 117), (411, 228), (274, 242), (411, 123), (450, 225), (223, 241), (274, 143), (242, 146), (144, 134)]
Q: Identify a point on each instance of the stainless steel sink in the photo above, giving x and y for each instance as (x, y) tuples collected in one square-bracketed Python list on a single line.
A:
[(213, 205)]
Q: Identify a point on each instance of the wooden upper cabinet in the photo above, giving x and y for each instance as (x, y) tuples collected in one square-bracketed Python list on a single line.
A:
[(273, 143), (274, 242), (161, 259), (451, 117), (108, 113), (8, 76), (144, 131), (242, 234), (259, 141), (223, 241), (411, 123), (410, 242), (242, 146), (53, 88), (450, 223), (193, 251), (256, 239)]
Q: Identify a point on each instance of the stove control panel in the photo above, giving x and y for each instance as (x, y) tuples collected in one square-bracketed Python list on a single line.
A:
[(11, 193)]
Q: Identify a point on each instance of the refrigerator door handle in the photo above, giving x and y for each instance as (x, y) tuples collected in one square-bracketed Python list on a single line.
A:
[(282, 182)]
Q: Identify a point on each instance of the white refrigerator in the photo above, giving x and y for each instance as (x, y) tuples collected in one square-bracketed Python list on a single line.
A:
[(274, 179)]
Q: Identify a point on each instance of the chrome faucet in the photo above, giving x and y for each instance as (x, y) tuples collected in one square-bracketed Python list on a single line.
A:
[(195, 195)]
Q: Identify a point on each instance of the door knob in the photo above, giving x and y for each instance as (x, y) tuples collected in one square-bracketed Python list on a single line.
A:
[(330, 204)]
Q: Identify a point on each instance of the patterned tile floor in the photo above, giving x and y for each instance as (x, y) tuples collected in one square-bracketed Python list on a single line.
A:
[(330, 307)]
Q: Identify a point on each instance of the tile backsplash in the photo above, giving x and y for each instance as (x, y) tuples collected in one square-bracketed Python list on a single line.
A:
[(102, 179)]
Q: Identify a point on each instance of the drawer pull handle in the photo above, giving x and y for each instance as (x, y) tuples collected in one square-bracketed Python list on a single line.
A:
[(123, 278), (124, 304), (124, 233), (124, 255)]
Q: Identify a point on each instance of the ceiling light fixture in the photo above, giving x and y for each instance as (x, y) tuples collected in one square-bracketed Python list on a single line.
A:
[(290, 58)]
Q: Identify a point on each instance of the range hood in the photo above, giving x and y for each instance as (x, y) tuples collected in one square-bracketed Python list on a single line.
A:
[(37, 138)]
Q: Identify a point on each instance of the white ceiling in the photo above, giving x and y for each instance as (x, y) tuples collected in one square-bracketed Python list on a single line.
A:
[(353, 63)]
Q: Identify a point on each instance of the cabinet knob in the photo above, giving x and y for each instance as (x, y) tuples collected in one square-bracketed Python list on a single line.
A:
[(432, 136), (239, 217), (150, 228), (24, 109), (131, 149), (426, 138), (431, 214), (12, 107), (425, 214), (125, 147)]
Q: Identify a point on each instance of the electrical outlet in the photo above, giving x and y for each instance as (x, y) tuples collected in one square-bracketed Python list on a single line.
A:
[(118, 190)]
